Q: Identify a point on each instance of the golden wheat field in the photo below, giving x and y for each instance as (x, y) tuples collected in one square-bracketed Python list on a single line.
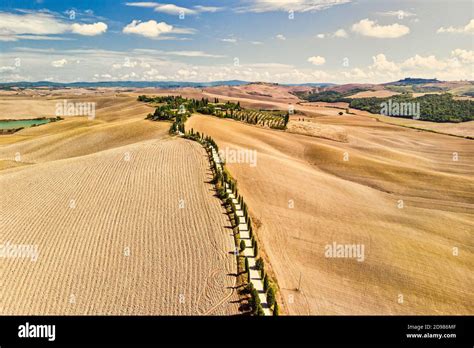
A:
[(124, 219)]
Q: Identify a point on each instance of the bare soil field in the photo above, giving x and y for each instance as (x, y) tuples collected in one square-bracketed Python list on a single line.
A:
[(400, 194), (26, 108), (174, 228), (317, 130), (384, 93), (259, 92), (123, 216)]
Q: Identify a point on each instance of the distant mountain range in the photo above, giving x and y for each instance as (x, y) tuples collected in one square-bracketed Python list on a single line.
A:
[(413, 81), (409, 81), (138, 84)]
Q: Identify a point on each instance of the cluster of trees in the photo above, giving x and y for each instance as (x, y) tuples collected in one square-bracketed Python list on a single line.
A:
[(328, 96), (217, 109), (271, 119), (174, 106), (177, 105), (254, 300), (178, 125), (432, 107)]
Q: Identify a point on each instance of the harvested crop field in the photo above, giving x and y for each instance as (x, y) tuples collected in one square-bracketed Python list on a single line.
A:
[(86, 214), (124, 219), (304, 196)]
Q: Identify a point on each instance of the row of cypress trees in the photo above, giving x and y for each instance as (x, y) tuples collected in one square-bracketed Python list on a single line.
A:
[(221, 178)]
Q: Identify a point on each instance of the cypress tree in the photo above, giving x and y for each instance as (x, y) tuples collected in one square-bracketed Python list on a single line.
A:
[(259, 264), (271, 296), (276, 310), (242, 246), (265, 283), (256, 300), (247, 267)]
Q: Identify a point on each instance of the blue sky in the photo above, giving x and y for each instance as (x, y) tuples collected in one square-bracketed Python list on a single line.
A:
[(287, 41)]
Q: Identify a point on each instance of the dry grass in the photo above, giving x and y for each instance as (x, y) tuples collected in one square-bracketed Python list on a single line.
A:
[(383, 93), (407, 251), (317, 130), (324, 112), (118, 204), (26, 108)]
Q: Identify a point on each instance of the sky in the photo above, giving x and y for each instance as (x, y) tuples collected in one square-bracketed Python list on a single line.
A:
[(282, 41)]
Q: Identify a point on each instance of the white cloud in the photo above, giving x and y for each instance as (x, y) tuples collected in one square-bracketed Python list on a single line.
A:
[(194, 54), (6, 68), (281, 37), (355, 74), (142, 4), (467, 29), (200, 8), (173, 9), (317, 60), (320, 75), (463, 55), (401, 14), (382, 65), (154, 64), (59, 63), (150, 29), (341, 33), (256, 42), (38, 25), (89, 29), (187, 73), (370, 28), (126, 64), (269, 65), (30, 23), (37, 38), (456, 67), (231, 40), (259, 6), (427, 63), (154, 74)]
